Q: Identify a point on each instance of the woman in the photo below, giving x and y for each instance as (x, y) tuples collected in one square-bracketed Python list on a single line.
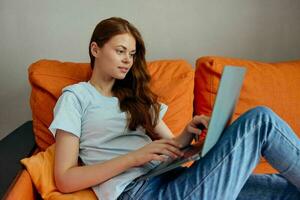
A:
[(114, 124)]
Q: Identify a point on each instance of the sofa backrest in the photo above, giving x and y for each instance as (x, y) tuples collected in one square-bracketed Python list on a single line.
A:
[(172, 81), (276, 85)]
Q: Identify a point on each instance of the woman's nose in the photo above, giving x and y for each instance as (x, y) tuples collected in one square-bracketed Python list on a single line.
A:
[(126, 58)]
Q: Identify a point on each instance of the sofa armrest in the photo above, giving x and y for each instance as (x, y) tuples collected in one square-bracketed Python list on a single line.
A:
[(15, 146), (22, 188)]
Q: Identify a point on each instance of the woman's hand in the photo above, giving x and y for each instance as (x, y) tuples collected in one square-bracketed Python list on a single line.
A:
[(156, 150), (194, 126)]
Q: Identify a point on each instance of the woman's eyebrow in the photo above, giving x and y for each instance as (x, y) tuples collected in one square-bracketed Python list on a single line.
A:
[(125, 48)]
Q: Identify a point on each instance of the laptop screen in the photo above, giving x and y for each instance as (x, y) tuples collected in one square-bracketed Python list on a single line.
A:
[(224, 105)]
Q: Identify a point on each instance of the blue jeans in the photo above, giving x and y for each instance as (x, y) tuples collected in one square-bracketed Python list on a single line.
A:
[(225, 173)]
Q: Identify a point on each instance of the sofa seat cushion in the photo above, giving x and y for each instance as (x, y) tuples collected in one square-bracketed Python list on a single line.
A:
[(172, 81), (275, 85)]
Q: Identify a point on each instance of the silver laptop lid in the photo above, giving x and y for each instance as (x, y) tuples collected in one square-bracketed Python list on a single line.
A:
[(226, 99)]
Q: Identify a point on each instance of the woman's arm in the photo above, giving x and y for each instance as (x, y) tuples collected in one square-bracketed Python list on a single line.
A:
[(163, 131), (187, 134), (70, 177)]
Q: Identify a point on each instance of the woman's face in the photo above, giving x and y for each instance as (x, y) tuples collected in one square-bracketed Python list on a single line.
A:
[(115, 58)]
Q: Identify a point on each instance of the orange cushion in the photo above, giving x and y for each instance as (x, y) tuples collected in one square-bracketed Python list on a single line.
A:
[(48, 77), (275, 85), (172, 81), (41, 169)]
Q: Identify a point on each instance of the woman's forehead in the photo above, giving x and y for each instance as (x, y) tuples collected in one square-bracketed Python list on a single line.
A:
[(123, 40)]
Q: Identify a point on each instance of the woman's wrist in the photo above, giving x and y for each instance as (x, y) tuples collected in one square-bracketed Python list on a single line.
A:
[(184, 138), (131, 159)]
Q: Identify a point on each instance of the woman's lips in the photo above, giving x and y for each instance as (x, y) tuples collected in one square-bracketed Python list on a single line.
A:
[(123, 69)]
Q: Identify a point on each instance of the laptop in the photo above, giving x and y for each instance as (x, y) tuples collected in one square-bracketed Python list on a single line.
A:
[(226, 99)]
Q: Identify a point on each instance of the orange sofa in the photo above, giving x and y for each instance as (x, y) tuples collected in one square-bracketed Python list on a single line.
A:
[(185, 90)]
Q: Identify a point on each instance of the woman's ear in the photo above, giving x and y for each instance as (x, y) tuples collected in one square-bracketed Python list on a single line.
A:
[(94, 49)]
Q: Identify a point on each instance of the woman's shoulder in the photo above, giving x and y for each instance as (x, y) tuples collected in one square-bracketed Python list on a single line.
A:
[(77, 90)]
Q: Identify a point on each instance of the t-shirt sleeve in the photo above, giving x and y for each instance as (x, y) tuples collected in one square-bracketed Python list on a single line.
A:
[(163, 110), (67, 114)]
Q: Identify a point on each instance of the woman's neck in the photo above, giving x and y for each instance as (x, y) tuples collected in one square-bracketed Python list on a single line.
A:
[(104, 86)]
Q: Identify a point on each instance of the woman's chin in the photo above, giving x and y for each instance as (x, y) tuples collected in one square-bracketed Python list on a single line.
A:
[(120, 77)]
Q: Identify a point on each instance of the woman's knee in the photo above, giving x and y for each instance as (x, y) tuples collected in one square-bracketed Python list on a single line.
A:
[(261, 112)]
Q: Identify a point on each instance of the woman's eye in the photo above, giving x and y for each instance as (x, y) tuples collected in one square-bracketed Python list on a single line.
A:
[(132, 55), (119, 51)]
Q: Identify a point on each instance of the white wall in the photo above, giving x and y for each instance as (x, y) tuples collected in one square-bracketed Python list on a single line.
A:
[(266, 30)]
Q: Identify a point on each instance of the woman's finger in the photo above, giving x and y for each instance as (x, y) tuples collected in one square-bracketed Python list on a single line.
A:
[(174, 150), (169, 154), (191, 129), (200, 119), (161, 158), (167, 149)]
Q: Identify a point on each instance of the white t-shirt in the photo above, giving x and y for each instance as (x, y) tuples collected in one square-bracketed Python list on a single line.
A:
[(101, 127)]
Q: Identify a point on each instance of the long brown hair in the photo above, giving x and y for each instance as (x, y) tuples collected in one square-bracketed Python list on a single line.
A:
[(133, 92)]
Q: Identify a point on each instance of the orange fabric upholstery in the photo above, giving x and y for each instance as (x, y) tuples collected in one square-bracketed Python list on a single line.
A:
[(48, 77), (23, 188), (41, 170), (172, 81), (275, 85)]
